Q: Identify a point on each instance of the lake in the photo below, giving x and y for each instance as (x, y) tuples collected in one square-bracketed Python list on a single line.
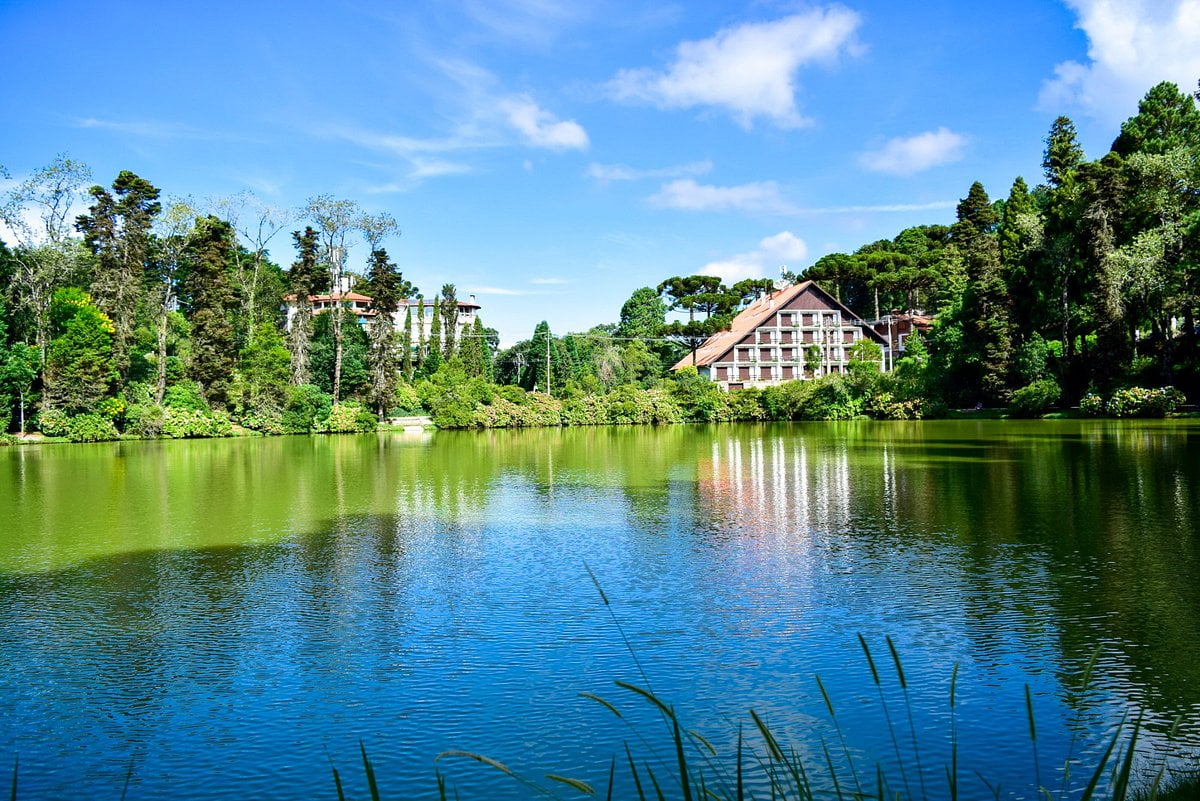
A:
[(231, 617)]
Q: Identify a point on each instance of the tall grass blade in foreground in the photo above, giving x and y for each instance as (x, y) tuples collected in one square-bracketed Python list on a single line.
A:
[(1037, 768), (617, 623), (886, 715), (128, 778), (841, 735), (370, 771), (953, 769), (908, 706)]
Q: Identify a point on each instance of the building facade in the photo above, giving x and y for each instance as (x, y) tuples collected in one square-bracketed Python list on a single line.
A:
[(798, 332), (359, 306)]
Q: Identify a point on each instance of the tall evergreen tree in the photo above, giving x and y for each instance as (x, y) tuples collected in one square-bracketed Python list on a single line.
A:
[(1020, 238), (211, 304), (306, 278), (117, 230), (422, 344), (388, 288), (449, 312), (406, 344), (642, 315), (1060, 265), (1167, 118), (987, 339), (433, 358)]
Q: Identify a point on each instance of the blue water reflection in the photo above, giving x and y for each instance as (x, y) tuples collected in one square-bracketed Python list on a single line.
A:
[(425, 596)]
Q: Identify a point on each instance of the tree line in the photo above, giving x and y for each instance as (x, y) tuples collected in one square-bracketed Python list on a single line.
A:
[(150, 316), (157, 316)]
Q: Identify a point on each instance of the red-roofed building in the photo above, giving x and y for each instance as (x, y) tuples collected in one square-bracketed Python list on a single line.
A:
[(768, 343)]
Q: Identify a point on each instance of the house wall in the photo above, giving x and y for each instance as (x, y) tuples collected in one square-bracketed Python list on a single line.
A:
[(774, 351)]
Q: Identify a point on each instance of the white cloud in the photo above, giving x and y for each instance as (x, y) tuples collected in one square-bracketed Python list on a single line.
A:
[(782, 249), (749, 70), (548, 281), (906, 155), (1132, 45), (762, 197), (541, 128), (606, 173)]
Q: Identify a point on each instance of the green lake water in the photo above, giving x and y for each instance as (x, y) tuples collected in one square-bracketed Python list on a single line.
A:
[(232, 616)]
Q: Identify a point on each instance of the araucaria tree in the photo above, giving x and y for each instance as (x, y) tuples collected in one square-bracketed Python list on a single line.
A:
[(117, 230), (306, 278), (211, 303)]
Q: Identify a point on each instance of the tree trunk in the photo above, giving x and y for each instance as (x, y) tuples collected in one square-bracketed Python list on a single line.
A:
[(337, 352), (161, 387)]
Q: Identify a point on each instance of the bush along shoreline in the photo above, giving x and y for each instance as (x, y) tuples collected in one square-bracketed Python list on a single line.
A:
[(454, 401)]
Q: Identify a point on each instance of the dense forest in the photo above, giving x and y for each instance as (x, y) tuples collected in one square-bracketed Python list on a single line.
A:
[(154, 316)]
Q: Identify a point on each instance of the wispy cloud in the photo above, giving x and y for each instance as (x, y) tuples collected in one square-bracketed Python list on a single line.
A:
[(761, 197), (497, 290), (606, 173), (882, 207), (156, 129), (548, 281), (748, 70), (541, 128), (530, 22), (1132, 45), (908, 155), (781, 250)]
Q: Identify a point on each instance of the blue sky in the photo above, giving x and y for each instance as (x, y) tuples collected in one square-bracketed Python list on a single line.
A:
[(551, 157)]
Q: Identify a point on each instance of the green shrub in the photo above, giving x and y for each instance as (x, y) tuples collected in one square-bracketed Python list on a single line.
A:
[(1141, 402), (831, 399), (1092, 405), (406, 401), (185, 395), (1035, 399), (886, 406), (746, 404), (265, 420), (348, 417), (305, 405), (191, 423), (91, 428), (144, 419), (53, 422)]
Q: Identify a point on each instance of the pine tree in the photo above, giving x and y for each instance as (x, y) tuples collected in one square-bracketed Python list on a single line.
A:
[(386, 290), (406, 345), (1166, 119), (1020, 237), (422, 344), (211, 305), (306, 278), (449, 311), (117, 231), (433, 360), (987, 336), (1060, 264)]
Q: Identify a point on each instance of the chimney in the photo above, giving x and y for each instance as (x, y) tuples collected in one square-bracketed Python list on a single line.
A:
[(472, 297)]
